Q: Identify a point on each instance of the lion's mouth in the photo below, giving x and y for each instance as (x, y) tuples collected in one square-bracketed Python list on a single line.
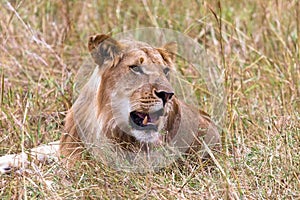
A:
[(145, 121)]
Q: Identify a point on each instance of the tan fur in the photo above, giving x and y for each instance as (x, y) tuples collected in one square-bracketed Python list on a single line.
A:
[(94, 111)]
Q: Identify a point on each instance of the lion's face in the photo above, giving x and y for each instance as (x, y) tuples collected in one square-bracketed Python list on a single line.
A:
[(141, 93), (135, 88)]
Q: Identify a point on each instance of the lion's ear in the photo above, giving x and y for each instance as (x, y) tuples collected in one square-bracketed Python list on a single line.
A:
[(169, 51), (103, 47)]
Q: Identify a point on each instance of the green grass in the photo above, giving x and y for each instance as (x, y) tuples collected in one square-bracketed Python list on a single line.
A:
[(43, 44)]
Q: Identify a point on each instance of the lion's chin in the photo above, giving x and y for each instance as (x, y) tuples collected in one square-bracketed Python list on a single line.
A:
[(151, 137)]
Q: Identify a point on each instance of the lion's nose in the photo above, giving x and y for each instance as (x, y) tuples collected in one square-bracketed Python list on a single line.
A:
[(165, 96)]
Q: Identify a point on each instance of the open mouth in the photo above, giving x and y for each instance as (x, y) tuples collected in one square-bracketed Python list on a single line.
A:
[(145, 121)]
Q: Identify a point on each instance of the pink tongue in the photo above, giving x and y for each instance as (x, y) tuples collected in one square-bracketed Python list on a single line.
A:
[(151, 117), (141, 115)]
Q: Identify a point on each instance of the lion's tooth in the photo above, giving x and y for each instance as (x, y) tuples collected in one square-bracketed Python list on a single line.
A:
[(145, 121)]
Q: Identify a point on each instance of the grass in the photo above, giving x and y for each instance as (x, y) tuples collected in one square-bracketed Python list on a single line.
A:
[(43, 44)]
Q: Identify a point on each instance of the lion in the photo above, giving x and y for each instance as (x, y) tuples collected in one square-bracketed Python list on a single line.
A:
[(129, 102)]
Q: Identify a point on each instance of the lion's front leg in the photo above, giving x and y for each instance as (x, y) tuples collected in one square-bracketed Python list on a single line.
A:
[(43, 153), (71, 146)]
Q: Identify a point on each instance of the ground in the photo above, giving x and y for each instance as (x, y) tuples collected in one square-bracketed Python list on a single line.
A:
[(43, 44)]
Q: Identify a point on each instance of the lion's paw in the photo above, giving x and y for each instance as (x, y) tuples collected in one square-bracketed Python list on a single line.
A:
[(12, 161)]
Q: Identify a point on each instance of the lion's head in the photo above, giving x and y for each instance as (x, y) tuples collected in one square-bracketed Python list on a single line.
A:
[(129, 92), (129, 101)]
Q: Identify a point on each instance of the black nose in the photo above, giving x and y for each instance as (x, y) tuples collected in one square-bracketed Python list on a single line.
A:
[(165, 96)]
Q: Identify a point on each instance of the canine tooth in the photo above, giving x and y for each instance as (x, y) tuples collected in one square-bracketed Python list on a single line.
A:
[(145, 121)]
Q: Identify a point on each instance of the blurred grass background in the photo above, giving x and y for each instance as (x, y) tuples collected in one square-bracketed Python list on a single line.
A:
[(42, 44)]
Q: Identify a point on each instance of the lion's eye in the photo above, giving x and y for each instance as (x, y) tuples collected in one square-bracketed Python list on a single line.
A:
[(136, 68), (166, 71)]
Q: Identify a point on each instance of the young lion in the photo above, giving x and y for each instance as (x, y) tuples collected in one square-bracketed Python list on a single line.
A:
[(129, 102)]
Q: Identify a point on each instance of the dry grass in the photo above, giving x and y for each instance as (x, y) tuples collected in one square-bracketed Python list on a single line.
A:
[(42, 45)]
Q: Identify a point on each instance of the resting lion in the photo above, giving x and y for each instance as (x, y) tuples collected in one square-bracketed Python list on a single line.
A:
[(130, 102)]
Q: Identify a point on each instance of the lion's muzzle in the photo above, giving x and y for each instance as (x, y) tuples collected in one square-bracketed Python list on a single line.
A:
[(149, 120)]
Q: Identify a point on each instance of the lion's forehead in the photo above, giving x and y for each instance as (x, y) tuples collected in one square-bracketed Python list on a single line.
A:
[(147, 52)]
